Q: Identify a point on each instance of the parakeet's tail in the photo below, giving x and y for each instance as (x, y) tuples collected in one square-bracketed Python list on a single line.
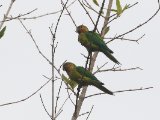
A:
[(110, 51), (99, 86), (111, 57)]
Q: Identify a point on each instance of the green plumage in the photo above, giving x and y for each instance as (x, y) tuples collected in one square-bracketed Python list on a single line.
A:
[(83, 77), (94, 42)]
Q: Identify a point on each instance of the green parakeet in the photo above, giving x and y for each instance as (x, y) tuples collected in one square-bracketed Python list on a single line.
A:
[(93, 42), (83, 77)]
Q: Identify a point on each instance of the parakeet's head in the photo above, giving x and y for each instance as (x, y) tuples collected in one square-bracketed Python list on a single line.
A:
[(81, 29), (68, 66)]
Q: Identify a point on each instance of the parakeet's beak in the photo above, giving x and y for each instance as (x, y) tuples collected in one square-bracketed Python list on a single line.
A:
[(63, 68), (76, 30)]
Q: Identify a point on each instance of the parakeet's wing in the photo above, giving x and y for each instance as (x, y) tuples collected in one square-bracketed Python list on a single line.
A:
[(87, 73), (94, 81), (97, 40)]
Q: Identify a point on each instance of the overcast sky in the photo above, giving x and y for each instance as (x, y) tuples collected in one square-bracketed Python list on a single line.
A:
[(22, 67)]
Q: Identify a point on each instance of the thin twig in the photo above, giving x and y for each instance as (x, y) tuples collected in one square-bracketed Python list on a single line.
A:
[(140, 25), (7, 13), (59, 111), (87, 12), (26, 98), (70, 96), (129, 90), (45, 107), (53, 55), (106, 20), (91, 8), (20, 15), (47, 14), (83, 114), (69, 14), (90, 112), (30, 34), (126, 39), (114, 69), (58, 95), (55, 31), (130, 6), (99, 68), (99, 15), (53, 74)]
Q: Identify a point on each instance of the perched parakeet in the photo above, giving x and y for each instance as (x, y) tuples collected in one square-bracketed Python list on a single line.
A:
[(94, 42), (83, 77)]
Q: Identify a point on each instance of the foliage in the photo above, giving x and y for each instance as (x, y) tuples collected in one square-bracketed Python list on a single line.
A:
[(2, 32)]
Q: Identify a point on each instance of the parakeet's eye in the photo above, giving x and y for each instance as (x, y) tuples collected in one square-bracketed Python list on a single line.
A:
[(80, 27)]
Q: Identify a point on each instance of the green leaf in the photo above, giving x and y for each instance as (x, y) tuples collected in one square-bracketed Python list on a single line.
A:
[(119, 7), (95, 2), (113, 10), (106, 30), (2, 32), (125, 8), (119, 10), (70, 82)]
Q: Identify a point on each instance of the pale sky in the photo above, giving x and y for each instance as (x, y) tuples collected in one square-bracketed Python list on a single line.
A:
[(22, 67)]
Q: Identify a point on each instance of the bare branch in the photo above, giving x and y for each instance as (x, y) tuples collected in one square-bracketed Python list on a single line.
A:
[(90, 112), (118, 16), (86, 12), (99, 15), (53, 55), (83, 114), (58, 97), (83, 93), (20, 15), (58, 114), (114, 69), (140, 25), (125, 39), (105, 25), (84, 55), (60, 110), (47, 14), (99, 68), (30, 34), (69, 14), (90, 7), (7, 13), (70, 96), (129, 90), (26, 98), (45, 107)]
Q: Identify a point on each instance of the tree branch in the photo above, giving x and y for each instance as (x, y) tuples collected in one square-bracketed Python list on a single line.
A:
[(140, 25), (114, 69), (83, 93), (90, 112), (22, 100), (53, 54), (45, 107), (30, 34), (125, 39), (7, 13), (46, 14), (18, 16), (129, 90)]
